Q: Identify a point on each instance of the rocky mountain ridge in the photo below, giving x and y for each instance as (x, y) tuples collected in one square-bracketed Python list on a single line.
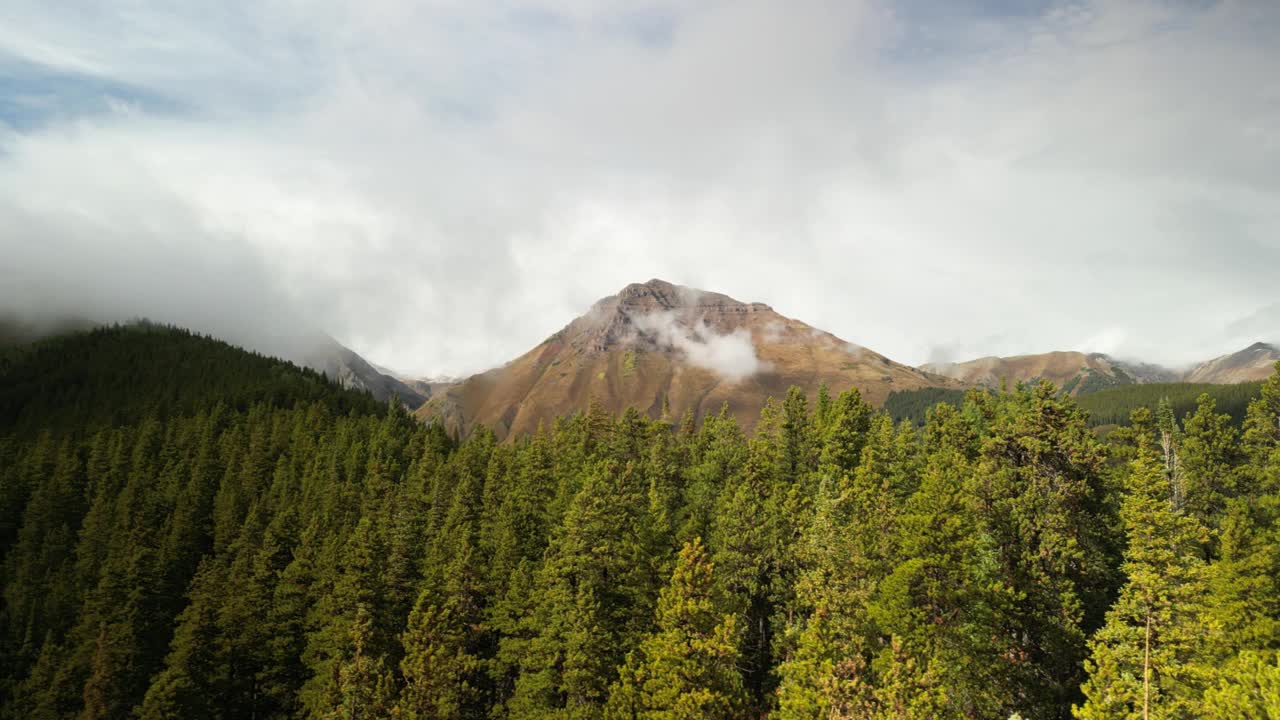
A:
[(665, 348), (1080, 373)]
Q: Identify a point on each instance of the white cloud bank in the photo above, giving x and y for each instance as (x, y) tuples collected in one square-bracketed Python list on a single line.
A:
[(440, 185)]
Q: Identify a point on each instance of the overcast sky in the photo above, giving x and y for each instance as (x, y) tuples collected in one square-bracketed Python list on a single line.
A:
[(440, 185)]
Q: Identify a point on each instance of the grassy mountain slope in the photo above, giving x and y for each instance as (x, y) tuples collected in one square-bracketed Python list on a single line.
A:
[(656, 345), (1076, 373), (1252, 364)]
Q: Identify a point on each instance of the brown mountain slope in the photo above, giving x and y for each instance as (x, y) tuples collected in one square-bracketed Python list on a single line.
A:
[(1074, 372), (656, 342), (1254, 363)]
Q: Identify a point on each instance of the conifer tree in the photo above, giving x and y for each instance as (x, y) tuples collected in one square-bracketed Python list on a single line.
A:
[(596, 586), (191, 531), (1261, 439), (687, 668), (940, 600), (1209, 458), (195, 669), (748, 540), (1036, 492), (1143, 660), (1242, 610), (1248, 687), (845, 555), (441, 666), (364, 688)]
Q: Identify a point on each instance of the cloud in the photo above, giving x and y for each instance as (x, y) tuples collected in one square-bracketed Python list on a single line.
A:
[(441, 185), (731, 355)]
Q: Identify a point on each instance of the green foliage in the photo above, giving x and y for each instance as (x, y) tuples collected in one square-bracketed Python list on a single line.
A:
[(188, 530), (913, 405), (118, 375), (1145, 659), (1113, 406), (687, 669), (1248, 688)]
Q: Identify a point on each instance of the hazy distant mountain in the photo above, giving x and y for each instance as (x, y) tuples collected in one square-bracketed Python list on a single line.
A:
[(352, 371), (15, 330), (1080, 373), (1256, 362), (1075, 372), (656, 344)]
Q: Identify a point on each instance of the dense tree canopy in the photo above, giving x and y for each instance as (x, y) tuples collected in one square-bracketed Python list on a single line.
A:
[(191, 531)]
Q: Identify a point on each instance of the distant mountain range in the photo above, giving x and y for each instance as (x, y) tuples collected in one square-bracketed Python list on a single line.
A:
[(1079, 373), (666, 349)]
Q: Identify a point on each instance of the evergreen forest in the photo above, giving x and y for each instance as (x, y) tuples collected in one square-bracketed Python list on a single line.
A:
[(189, 530)]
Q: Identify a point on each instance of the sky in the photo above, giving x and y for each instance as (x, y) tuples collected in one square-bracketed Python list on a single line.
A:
[(441, 184)]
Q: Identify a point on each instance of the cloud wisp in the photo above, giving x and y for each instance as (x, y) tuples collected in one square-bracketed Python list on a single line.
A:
[(730, 355)]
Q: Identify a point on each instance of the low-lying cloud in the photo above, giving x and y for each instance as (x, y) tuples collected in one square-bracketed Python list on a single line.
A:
[(731, 355)]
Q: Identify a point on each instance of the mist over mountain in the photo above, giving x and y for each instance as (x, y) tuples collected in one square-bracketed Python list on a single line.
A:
[(668, 349)]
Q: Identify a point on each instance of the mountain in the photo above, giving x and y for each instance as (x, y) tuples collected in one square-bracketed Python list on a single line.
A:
[(351, 371), (117, 375), (656, 344), (1081, 374), (1254, 363), (1075, 372), (308, 349)]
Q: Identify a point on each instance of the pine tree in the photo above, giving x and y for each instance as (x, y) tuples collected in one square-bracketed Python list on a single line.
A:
[(1249, 687), (747, 540), (1036, 493), (364, 689), (940, 600), (1243, 602), (1143, 660), (1261, 440), (845, 555), (686, 669), (596, 587), (195, 669), (1209, 458), (441, 666)]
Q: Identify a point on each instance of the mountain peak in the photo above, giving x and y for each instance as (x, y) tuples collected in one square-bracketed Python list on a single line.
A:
[(660, 295), (1261, 346), (628, 317)]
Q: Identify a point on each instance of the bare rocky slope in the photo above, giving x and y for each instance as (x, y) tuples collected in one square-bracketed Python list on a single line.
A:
[(656, 345), (1251, 364), (1075, 372), (1079, 373)]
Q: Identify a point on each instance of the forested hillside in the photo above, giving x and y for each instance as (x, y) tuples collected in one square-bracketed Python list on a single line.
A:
[(236, 538), (1114, 406)]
